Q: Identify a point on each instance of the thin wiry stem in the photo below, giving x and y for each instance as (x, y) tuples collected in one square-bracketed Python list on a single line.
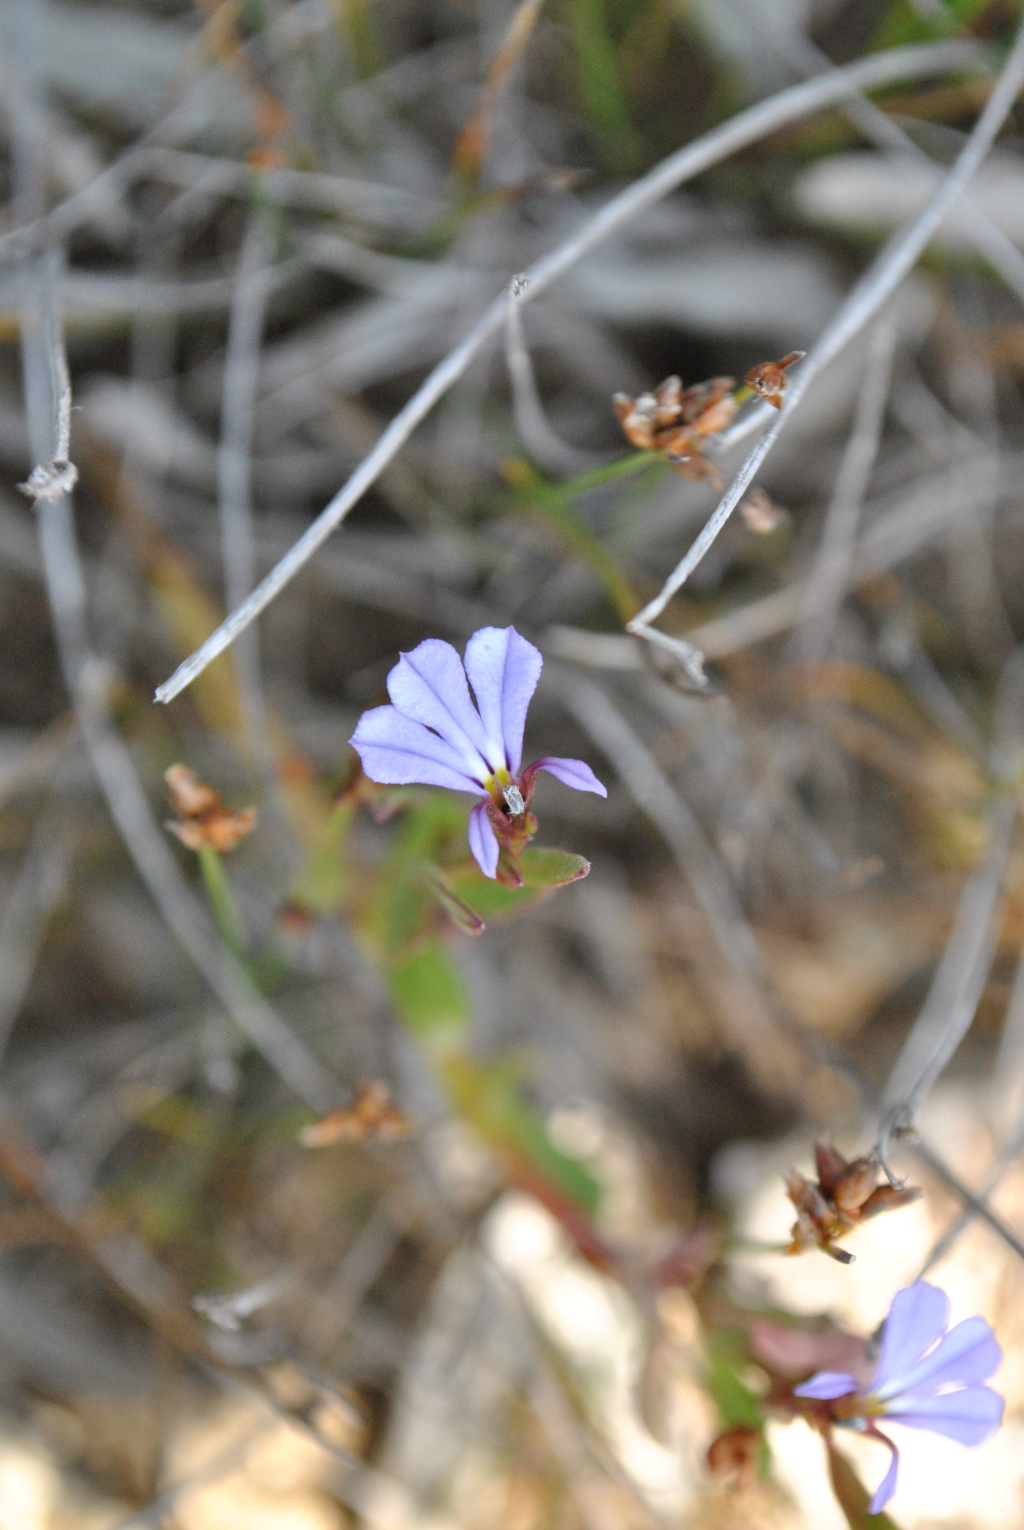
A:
[(87, 680), (891, 539), (37, 889), (829, 577), (531, 422), (963, 969), (256, 280), (878, 283), (975, 1204), (878, 128), (942, 1245), (1008, 1069), (746, 128), (769, 1054)]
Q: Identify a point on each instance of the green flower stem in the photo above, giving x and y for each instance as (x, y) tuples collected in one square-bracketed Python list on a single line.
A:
[(222, 902), (620, 468)]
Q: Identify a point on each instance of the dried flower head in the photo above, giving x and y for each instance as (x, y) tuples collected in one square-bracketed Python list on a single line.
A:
[(679, 421), (203, 821), (847, 1193), (372, 1117), (769, 378)]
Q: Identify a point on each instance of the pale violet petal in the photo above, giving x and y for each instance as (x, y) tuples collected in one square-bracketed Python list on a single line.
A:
[(429, 685), (917, 1319), (396, 751), (826, 1385), (968, 1354), (970, 1415), (482, 840), (503, 669), (887, 1486), (574, 773)]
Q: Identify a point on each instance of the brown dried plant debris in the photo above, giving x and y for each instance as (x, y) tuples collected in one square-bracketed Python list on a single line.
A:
[(203, 821), (371, 1117), (759, 513), (768, 379), (736, 1455), (846, 1194), (679, 421)]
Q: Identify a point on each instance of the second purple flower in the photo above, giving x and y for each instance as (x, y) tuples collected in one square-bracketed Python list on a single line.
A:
[(434, 735), (927, 1378)]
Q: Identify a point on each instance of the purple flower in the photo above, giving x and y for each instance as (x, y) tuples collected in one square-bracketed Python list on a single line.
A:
[(927, 1378), (434, 735)]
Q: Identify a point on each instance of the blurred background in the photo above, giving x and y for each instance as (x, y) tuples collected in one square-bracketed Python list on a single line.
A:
[(316, 1209)]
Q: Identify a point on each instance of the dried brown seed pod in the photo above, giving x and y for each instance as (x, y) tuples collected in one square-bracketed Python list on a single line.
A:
[(371, 1117), (679, 421), (203, 821), (845, 1195), (769, 378)]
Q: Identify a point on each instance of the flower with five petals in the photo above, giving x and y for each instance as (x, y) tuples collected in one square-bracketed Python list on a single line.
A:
[(434, 735), (927, 1378)]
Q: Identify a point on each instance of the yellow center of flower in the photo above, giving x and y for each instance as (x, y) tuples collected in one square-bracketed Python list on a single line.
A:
[(496, 783)]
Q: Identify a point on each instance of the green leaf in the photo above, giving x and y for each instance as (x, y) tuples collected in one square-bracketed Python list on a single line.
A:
[(600, 87), (460, 913), (430, 996), (552, 868), (401, 903), (852, 1496), (544, 870), (325, 880), (490, 1095), (727, 1358)]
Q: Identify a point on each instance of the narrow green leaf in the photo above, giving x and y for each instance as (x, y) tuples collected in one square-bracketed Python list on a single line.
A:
[(324, 882), (430, 996), (490, 1095), (460, 913), (600, 87), (727, 1357)]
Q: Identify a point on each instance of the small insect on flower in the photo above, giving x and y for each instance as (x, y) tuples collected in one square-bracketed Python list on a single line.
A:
[(432, 734), (203, 820), (769, 378), (372, 1117), (846, 1194), (927, 1378), (679, 422)]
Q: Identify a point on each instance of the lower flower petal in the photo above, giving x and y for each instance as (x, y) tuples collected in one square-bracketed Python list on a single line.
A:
[(887, 1486), (826, 1385), (574, 773), (396, 751), (482, 840), (970, 1415)]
